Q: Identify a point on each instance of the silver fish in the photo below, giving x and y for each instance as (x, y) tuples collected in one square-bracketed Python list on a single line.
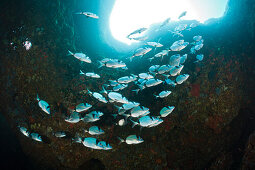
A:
[(170, 82), (88, 14), (73, 118), (145, 76), (80, 56), (164, 23), (24, 131), (98, 96), (112, 63), (117, 97), (95, 130), (197, 38), (182, 14), (91, 143), (199, 57), (176, 70), (90, 74), (104, 145), (82, 107), (92, 116), (192, 50), (119, 87), (132, 139), (138, 31), (60, 134), (199, 46), (140, 52), (154, 44), (163, 94), (36, 136), (147, 121), (43, 105), (176, 33), (113, 82), (142, 38), (175, 60), (181, 78), (165, 111), (139, 111), (164, 68), (179, 47), (183, 58), (153, 68), (192, 25), (162, 54), (180, 27), (127, 79), (153, 82), (128, 106)]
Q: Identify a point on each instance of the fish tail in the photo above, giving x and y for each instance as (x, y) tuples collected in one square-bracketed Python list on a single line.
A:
[(103, 90), (70, 53), (118, 107), (89, 92), (37, 98), (100, 64), (134, 123), (141, 87), (81, 72), (150, 59), (131, 58), (121, 140), (77, 140), (155, 95), (166, 76), (114, 116), (136, 91), (134, 75)]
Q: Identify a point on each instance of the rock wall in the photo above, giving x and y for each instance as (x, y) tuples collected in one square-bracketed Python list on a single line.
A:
[(209, 119)]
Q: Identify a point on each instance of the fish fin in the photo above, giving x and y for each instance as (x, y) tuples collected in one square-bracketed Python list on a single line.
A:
[(134, 123), (131, 58), (37, 98), (150, 59), (155, 50), (196, 61), (88, 91), (70, 53), (114, 116), (121, 140), (103, 90), (81, 72), (106, 85), (118, 107), (100, 64), (166, 76), (141, 87), (136, 91), (126, 116), (134, 75)]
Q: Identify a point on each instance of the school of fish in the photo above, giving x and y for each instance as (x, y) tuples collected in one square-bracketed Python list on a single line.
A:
[(128, 111)]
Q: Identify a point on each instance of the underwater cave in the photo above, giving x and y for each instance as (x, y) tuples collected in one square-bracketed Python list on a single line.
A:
[(127, 84)]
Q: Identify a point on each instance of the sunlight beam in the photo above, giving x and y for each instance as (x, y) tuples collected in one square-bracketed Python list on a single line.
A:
[(129, 15)]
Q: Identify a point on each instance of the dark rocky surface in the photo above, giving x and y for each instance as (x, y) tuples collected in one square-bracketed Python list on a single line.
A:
[(209, 130)]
